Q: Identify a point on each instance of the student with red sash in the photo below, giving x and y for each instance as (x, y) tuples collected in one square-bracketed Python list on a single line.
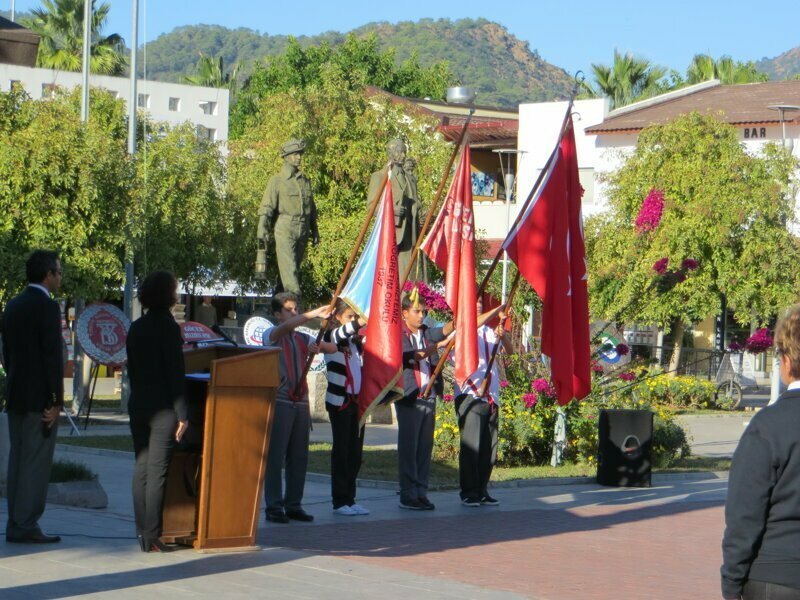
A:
[(288, 446), (477, 411)]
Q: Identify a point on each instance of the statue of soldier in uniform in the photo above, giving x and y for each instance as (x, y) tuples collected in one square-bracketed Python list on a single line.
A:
[(406, 202), (288, 207)]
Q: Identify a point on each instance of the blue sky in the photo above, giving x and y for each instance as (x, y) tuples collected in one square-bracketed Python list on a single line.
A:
[(571, 35)]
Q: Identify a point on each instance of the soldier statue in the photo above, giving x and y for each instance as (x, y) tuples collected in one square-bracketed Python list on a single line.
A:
[(406, 201), (288, 207)]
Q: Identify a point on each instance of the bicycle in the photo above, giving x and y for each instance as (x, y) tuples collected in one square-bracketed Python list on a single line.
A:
[(729, 378)]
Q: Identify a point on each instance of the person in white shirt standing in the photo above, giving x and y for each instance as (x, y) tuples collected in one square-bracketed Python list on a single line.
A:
[(477, 411)]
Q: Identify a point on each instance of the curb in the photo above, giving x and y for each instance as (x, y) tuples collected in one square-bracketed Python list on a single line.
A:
[(658, 478)]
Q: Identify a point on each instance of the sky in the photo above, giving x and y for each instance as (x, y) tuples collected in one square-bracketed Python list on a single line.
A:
[(571, 35)]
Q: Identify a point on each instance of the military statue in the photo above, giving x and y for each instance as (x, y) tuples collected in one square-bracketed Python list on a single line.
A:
[(406, 201), (288, 208)]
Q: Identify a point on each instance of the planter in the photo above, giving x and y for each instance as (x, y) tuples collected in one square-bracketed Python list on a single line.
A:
[(83, 494)]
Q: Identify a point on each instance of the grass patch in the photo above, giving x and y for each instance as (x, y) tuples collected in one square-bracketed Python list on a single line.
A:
[(381, 464), (68, 470), (109, 442), (101, 402), (698, 463)]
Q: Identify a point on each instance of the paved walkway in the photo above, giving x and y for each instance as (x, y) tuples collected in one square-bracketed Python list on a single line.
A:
[(555, 542)]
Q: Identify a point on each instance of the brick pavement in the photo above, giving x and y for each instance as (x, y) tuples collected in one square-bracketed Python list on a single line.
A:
[(668, 551)]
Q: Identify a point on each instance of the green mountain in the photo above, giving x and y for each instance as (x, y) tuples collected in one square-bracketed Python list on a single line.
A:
[(784, 66), (481, 54)]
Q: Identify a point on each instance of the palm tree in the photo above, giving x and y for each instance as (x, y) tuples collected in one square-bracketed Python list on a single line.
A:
[(703, 67), (211, 73), (60, 25), (628, 79)]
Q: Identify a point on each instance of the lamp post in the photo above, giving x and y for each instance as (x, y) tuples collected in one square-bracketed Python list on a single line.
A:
[(775, 387), (509, 179)]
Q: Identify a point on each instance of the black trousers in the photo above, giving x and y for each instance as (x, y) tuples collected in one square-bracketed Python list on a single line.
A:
[(153, 442), (348, 445), (29, 463), (415, 425), (761, 590), (477, 423)]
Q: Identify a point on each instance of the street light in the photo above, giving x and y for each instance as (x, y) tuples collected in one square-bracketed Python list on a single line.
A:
[(461, 95), (508, 181), (782, 110), (775, 387)]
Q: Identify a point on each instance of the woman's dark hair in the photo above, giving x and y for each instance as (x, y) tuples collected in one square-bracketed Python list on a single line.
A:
[(39, 264), (340, 306), (158, 290)]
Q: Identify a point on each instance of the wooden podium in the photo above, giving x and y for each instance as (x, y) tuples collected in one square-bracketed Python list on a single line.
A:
[(234, 410)]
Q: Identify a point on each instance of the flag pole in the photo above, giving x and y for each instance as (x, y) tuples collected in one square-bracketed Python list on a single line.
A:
[(346, 273), (434, 208), (537, 184)]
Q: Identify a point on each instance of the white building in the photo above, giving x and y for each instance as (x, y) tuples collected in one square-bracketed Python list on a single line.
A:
[(173, 103)]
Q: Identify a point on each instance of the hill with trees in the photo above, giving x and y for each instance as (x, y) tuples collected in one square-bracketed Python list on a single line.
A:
[(783, 66), (480, 54)]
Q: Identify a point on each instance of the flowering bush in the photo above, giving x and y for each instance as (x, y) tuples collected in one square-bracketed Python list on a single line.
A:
[(760, 341), (735, 346), (433, 300), (528, 411), (649, 215)]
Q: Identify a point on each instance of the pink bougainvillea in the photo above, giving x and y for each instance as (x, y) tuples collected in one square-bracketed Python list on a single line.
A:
[(542, 386), (504, 384), (627, 376), (448, 397), (530, 400), (660, 266), (689, 264), (735, 346), (649, 215), (760, 341), (622, 349), (433, 300)]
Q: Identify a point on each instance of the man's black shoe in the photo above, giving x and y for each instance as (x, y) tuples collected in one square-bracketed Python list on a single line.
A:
[(487, 500), (412, 504), (299, 515), (277, 516), (427, 504), (33, 538), (470, 501)]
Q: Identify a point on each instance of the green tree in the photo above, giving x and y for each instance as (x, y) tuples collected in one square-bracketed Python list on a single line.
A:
[(724, 208), (704, 67), (346, 134), (64, 186), (180, 216), (211, 73), (360, 63), (628, 79), (60, 25)]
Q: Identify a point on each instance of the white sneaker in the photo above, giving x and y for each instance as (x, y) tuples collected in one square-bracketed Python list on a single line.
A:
[(345, 511), (359, 510)]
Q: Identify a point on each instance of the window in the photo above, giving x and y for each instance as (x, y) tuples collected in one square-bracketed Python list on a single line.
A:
[(14, 82), (174, 104), (49, 90), (206, 133), (143, 100), (586, 176), (208, 107)]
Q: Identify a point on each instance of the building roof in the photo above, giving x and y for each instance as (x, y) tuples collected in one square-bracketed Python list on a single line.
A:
[(742, 104), (18, 45), (490, 127)]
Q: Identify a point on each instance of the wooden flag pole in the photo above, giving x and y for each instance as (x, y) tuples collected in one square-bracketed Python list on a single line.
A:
[(345, 274), (434, 209), (537, 184)]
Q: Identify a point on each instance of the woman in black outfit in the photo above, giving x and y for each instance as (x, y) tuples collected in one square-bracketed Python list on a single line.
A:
[(761, 547), (157, 407)]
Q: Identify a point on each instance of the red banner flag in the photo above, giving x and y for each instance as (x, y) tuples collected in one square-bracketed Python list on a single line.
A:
[(383, 348), (451, 245), (547, 247)]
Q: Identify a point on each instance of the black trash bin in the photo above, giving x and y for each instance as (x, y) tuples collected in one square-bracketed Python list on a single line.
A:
[(625, 448)]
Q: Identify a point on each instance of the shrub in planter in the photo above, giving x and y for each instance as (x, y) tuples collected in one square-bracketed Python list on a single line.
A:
[(69, 470)]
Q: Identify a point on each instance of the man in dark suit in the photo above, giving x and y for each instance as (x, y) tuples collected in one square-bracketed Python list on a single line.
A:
[(32, 352)]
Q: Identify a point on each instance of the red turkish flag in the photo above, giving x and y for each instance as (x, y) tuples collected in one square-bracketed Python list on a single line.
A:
[(451, 245), (383, 348), (547, 247)]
